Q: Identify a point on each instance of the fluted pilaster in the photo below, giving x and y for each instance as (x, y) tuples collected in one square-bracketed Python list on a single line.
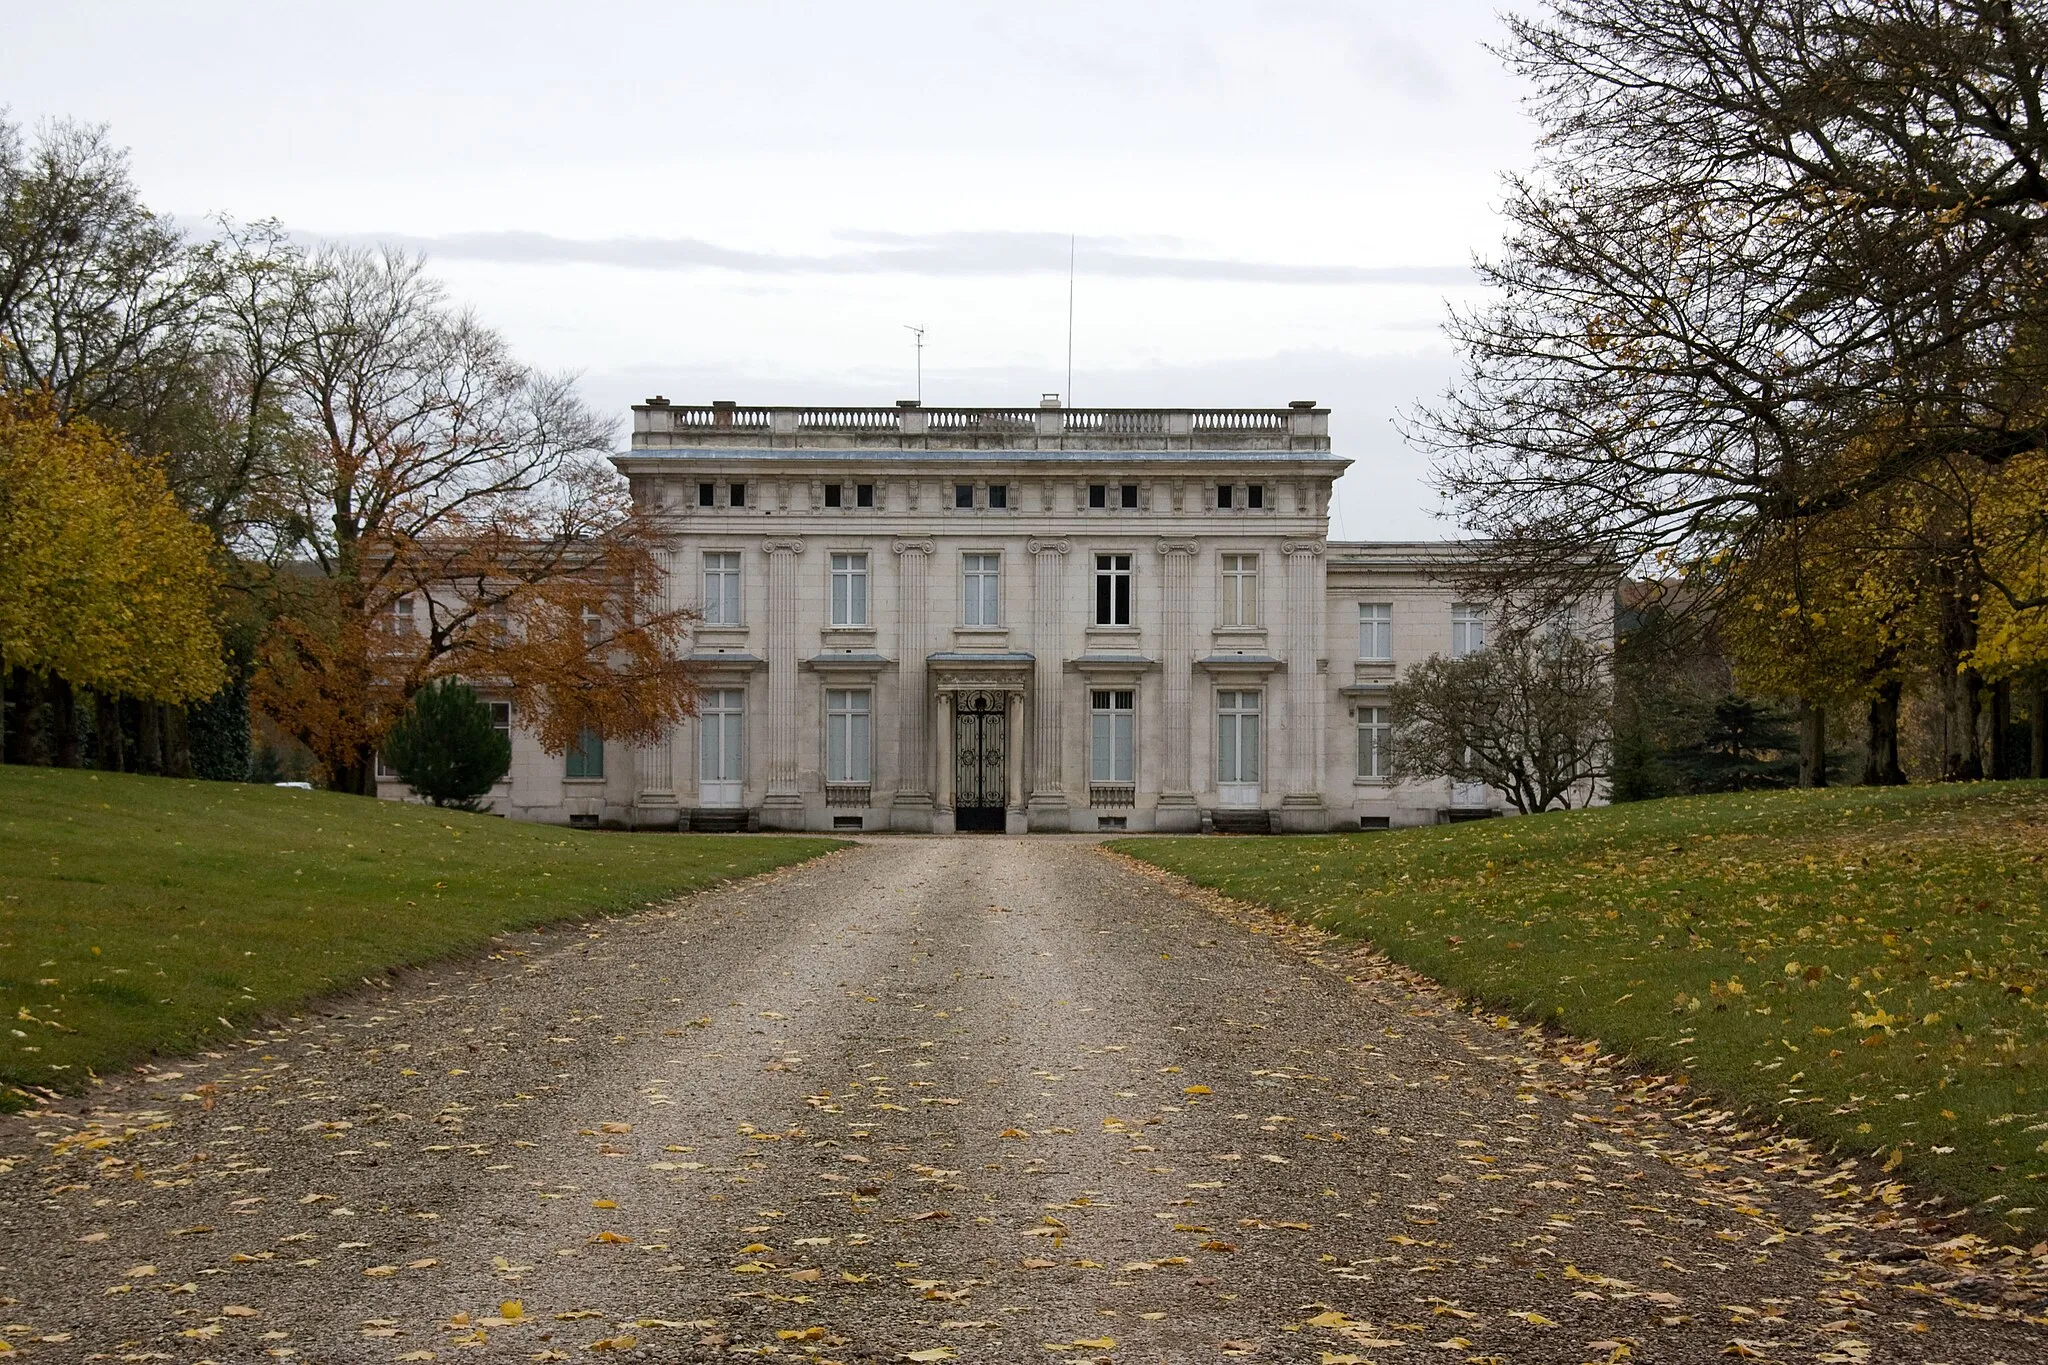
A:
[(1176, 665), (913, 595), (782, 668), (1049, 605), (1303, 780)]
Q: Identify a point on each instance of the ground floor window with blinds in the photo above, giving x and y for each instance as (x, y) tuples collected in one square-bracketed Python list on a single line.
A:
[(1237, 737), (847, 735), (1375, 741), (1112, 750)]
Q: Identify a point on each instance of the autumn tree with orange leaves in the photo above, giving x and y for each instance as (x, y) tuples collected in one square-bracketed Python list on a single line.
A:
[(450, 515)]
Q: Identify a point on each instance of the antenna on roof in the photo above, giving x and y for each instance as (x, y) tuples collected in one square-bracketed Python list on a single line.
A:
[(1071, 241), (918, 332)]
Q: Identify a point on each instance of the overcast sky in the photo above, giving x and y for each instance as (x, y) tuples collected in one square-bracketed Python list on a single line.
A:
[(749, 201)]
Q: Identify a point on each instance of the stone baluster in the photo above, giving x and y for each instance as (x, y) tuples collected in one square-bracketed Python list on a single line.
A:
[(782, 807), (1302, 803), (1176, 667), (912, 597), (1049, 609)]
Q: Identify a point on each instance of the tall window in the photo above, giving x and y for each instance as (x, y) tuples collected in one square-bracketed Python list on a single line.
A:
[(846, 734), (402, 615), (983, 589), (849, 590), (586, 755), (721, 720), (1112, 751), (501, 717), (1240, 590), (1376, 631), (1468, 629), (1375, 734), (1237, 736), (1112, 590), (722, 588)]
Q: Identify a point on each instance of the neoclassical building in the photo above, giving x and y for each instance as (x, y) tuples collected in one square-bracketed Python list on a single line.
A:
[(1049, 618)]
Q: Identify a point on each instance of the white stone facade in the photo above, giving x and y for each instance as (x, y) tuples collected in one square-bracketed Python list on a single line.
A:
[(1030, 619)]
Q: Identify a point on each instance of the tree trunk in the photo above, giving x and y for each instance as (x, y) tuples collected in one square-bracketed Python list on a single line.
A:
[(63, 723), (2037, 711), (1813, 744), (1997, 718), (358, 778), (149, 744), (109, 745), (177, 742), (25, 698), (1881, 740)]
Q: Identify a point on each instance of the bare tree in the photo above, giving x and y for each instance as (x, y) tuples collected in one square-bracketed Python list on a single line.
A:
[(457, 518), (1531, 716), (1777, 254)]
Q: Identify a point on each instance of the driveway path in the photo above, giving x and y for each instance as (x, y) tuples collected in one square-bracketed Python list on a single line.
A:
[(975, 1099)]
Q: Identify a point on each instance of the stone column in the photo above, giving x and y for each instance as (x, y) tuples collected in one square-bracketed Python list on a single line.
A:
[(783, 805), (942, 752), (655, 803), (913, 803), (1049, 607), (1302, 806), (1177, 809), (1014, 819)]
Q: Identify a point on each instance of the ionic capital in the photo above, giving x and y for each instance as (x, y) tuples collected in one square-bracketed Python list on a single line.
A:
[(1178, 547), (1048, 547), (914, 547), (1302, 547), (793, 545)]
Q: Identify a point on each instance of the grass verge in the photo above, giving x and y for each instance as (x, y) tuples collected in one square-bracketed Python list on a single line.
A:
[(1870, 966), (144, 914)]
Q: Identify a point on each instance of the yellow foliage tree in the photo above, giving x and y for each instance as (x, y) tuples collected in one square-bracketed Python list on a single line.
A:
[(105, 583)]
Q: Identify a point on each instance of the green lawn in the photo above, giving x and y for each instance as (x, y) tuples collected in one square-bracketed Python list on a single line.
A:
[(142, 914), (1870, 965)]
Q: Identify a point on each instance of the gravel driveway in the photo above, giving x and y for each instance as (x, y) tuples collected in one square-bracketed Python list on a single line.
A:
[(926, 1099)]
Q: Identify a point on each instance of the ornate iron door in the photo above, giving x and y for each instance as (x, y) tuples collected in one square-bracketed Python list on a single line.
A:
[(980, 761)]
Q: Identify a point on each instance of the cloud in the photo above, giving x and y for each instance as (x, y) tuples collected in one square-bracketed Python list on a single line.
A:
[(934, 254)]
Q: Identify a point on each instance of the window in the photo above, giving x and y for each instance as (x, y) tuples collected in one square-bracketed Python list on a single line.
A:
[(1468, 629), (1237, 736), (1128, 496), (721, 719), (501, 717), (983, 594), (863, 495), (1240, 590), (402, 615), (722, 588), (593, 626), (1255, 495), (963, 495), (1376, 631), (1112, 752), (999, 495), (736, 495), (1098, 495), (1375, 734), (849, 590), (1223, 495), (835, 495), (707, 494), (1112, 590), (846, 735), (586, 755)]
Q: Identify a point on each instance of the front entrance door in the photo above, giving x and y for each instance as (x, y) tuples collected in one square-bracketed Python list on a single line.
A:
[(980, 761)]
